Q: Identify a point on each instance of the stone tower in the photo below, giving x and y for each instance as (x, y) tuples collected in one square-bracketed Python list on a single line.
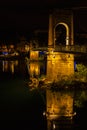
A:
[(59, 17)]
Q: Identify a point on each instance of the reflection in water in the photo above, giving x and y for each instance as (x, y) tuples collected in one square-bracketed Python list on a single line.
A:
[(5, 65), (61, 106), (66, 109), (59, 109), (34, 69), (9, 65)]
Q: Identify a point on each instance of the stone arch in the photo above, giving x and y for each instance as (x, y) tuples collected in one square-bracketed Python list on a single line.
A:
[(65, 18), (67, 32)]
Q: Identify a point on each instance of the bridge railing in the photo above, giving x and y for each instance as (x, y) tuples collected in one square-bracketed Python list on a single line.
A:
[(62, 48), (40, 49), (71, 48)]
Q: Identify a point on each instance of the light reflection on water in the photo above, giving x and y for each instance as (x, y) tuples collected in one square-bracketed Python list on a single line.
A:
[(65, 109), (20, 104)]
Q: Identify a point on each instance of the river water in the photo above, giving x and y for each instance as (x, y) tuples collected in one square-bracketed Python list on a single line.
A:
[(24, 108)]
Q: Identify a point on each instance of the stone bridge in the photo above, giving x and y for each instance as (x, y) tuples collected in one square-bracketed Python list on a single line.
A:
[(61, 48)]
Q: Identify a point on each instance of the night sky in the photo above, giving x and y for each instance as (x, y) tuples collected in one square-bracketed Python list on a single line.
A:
[(27, 15)]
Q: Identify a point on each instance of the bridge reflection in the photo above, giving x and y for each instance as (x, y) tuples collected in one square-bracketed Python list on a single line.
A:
[(59, 109)]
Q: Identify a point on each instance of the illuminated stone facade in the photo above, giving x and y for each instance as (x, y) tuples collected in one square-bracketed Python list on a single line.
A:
[(59, 64), (34, 55)]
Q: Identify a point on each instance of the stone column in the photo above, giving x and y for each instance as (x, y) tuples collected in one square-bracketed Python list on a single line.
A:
[(72, 30), (67, 40), (50, 33)]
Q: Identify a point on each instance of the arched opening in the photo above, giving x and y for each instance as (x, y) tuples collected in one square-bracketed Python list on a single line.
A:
[(61, 34)]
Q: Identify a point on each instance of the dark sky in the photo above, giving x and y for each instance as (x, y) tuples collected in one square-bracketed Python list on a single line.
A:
[(26, 15)]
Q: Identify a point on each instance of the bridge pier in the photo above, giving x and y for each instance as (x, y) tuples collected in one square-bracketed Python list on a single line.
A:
[(59, 64), (34, 55)]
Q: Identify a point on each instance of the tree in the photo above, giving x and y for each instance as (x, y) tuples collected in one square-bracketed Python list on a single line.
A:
[(81, 73)]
